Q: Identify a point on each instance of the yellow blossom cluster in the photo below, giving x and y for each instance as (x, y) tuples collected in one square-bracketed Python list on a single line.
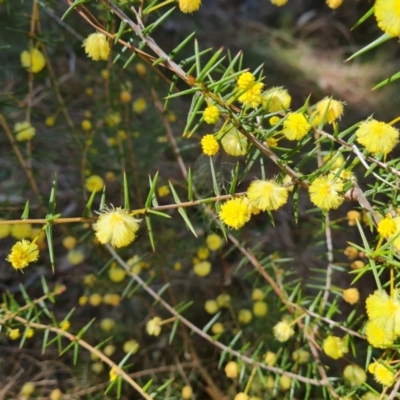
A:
[(211, 115), (189, 6), (251, 91), (325, 192), (209, 145), (234, 143)]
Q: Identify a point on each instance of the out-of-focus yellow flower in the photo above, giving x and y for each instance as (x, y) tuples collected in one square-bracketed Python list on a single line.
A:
[(94, 183), (283, 331), (107, 324), (163, 191), (50, 121), (351, 252), (65, 325), (260, 308), (113, 374), (217, 328), (327, 110), (95, 299), (187, 392), (334, 3), (203, 268), (279, 3), (203, 253), (234, 143), (223, 300), (353, 216), (55, 394), (257, 295), (75, 256), (69, 242), (214, 241), (153, 326), (113, 119), (27, 389), (113, 299), (14, 334), (211, 306), (83, 300), (131, 346), (301, 356), (285, 382), (125, 97), (267, 195), (351, 295), (97, 47), (232, 369), (139, 106), (245, 316), (33, 60), (140, 69), (276, 99), (24, 131), (270, 358)]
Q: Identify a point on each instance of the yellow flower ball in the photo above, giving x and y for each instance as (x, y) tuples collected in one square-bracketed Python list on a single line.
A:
[(113, 119), (153, 327), (283, 331), (97, 367), (217, 328), (245, 316), (324, 192), (202, 269), (125, 97), (214, 242), (387, 14), (276, 99), (116, 226), (334, 347), (334, 4), (223, 300), (5, 230), (241, 396), (234, 143), (267, 195), (252, 97), (95, 299), (109, 350), (387, 227), (354, 374), (352, 217), (203, 253), (211, 115), (351, 295), (270, 358), (327, 110), (24, 131), (187, 392), (50, 121), (295, 126), (117, 274), (209, 145), (260, 309), (246, 80), (211, 306), (33, 60), (357, 264), (94, 183), (351, 252), (232, 370), (140, 69), (235, 213), (23, 253), (377, 137), (97, 47), (83, 300), (30, 333), (285, 382), (257, 295), (69, 242), (131, 346), (89, 280), (189, 6), (56, 394), (14, 334), (163, 191), (107, 324), (75, 257), (139, 106), (27, 389), (301, 356), (382, 372), (65, 325), (112, 299), (86, 125)]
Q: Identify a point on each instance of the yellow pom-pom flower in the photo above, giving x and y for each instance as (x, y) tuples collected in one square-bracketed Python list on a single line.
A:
[(116, 226), (245, 316), (351, 252), (252, 97), (234, 213), (387, 14), (125, 97), (295, 126), (95, 299), (94, 183), (334, 4), (14, 334), (33, 60), (334, 347), (76, 256), (117, 274), (352, 217), (211, 115), (209, 145), (211, 306), (153, 327), (163, 191), (214, 241), (270, 358), (23, 253), (139, 106), (232, 369), (283, 331), (187, 392), (377, 137), (354, 374), (276, 99), (131, 346), (24, 131), (351, 295), (327, 110), (301, 356), (189, 6), (378, 337), (387, 227), (241, 396), (234, 143), (113, 374), (202, 268), (384, 311), (96, 46), (382, 372), (246, 80), (217, 328), (107, 324), (112, 299), (324, 192), (21, 231), (267, 195), (223, 300), (260, 309)]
